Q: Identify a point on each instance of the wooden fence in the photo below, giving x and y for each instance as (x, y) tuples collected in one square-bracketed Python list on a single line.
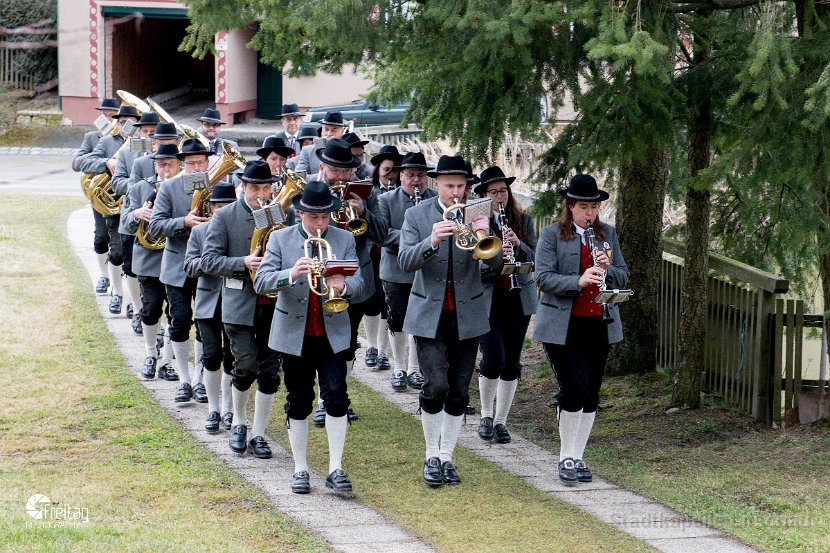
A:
[(10, 75)]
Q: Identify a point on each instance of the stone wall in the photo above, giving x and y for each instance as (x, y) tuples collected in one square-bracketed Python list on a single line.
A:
[(41, 119)]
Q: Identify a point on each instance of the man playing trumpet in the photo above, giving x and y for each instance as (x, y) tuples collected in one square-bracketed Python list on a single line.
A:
[(312, 340), (447, 313)]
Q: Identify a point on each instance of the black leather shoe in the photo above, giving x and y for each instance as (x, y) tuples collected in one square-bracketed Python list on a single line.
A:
[(260, 448), (300, 483), (485, 428), (212, 423), (371, 358), (502, 435), (200, 393), (383, 363), (567, 472), (469, 410), (129, 311), (449, 473), (583, 473), (339, 481), (238, 442), (149, 370), (136, 324), (399, 381), (432, 472), (415, 381), (166, 372), (103, 285), (184, 393), (115, 304), (227, 420), (319, 415), (352, 416)]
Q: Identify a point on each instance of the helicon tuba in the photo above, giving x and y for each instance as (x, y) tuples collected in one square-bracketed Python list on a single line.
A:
[(186, 130), (231, 160)]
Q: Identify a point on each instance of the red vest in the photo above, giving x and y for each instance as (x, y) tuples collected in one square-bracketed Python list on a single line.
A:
[(314, 320), (584, 305)]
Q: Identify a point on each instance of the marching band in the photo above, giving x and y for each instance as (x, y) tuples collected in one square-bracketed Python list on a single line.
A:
[(277, 262)]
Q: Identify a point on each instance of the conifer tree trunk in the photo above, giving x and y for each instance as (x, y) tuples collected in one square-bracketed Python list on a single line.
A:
[(694, 298), (639, 220)]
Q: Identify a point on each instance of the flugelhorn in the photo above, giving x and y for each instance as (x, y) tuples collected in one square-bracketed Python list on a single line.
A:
[(346, 216), (480, 243), (316, 281)]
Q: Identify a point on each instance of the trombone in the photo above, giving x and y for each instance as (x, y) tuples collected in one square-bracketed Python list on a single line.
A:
[(480, 243), (316, 281)]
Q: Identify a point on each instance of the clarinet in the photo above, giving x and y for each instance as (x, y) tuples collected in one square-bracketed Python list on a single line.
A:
[(592, 245), (416, 198), (511, 259)]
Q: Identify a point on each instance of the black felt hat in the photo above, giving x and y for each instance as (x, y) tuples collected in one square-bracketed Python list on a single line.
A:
[(192, 147), (275, 144), (148, 118), (126, 111), (338, 153), (450, 165), (583, 188), (333, 118), (166, 151), (290, 110), (307, 132), (257, 172), (413, 160), (316, 198), (109, 104), (211, 115), (165, 131), (354, 139), (223, 192), (387, 152), (492, 174)]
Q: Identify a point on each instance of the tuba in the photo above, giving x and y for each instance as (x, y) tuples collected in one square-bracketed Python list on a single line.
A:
[(480, 243), (316, 281), (186, 130), (86, 178), (142, 234), (231, 160), (293, 185)]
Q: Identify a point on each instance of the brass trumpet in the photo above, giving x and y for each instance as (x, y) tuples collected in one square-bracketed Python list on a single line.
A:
[(346, 217), (316, 281), (480, 243)]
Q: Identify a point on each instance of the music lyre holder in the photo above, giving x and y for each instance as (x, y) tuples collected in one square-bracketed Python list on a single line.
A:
[(268, 216), (518, 268), (195, 181), (142, 145), (614, 296), (103, 124)]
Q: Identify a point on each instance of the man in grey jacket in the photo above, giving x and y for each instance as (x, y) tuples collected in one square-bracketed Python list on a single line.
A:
[(246, 316), (100, 241), (447, 313), (332, 126), (312, 340), (173, 218)]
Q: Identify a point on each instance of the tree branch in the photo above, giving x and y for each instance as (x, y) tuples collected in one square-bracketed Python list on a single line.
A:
[(686, 7)]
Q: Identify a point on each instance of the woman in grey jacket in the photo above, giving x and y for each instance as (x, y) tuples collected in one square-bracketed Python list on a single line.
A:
[(570, 324)]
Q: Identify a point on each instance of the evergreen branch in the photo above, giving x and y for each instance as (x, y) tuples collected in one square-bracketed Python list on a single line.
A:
[(686, 7), (686, 53)]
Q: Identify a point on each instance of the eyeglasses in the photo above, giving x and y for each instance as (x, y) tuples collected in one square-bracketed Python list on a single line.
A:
[(194, 164), (498, 192)]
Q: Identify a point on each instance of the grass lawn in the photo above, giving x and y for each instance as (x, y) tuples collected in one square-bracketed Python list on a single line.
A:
[(77, 427), (769, 487)]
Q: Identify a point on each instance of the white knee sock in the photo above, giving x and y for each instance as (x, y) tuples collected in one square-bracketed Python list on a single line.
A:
[(298, 436), (101, 258), (115, 279), (586, 423), (135, 293), (262, 410), (568, 425), (450, 427), (504, 399), (182, 352), (213, 382), (383, 338), (198, 366), (414, 366), (227, 404), (399, 350), (336, 432), (240, 406), (487, 392), (150, 332), (432, 432), (167, 348), (372, 323)]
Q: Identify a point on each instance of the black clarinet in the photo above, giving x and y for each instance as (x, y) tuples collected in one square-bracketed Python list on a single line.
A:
[(592, 245), (511, 259)]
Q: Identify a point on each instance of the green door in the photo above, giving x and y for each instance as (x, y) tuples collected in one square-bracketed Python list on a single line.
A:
[(268, 91)]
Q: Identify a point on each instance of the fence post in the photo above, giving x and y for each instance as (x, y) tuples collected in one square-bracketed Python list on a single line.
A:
[(761, 397)]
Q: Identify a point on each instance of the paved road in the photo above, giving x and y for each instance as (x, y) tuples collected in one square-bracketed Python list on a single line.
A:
[(41, 174)]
